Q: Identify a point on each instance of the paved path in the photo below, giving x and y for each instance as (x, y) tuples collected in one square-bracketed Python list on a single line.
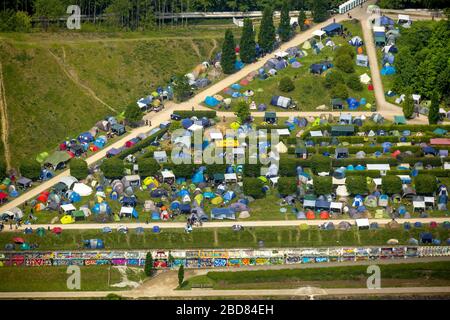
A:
[(219, 224), (386, 109)]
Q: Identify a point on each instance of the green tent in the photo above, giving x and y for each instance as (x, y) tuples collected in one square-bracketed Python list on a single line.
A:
[(41, 157), (440, 131), (57, 157), (399, 120), (219, 177), (347, 130), (78, 215), (40, 231)]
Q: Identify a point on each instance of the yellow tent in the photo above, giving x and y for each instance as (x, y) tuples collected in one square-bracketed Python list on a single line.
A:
[(199, 198), (235, 125), (217, 200), (67, 219), (151, 182), (263, 179), (316, 122)]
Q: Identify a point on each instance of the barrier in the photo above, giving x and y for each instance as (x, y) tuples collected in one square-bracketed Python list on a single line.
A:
[(219, 258)]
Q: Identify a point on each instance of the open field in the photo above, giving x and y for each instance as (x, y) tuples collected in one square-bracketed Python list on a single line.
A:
[(392, 275), (222, 238)]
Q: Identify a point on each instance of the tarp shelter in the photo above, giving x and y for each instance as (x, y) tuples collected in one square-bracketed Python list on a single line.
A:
[(223, 213), (399, 120), (362, 60), (337, 104), (167, 175), (230, 177), (362, 224), (333, 29), (319, 33), (82, 189), (160, 156), (384, 21), (24, 182), (57, 159), (118, 129), (280, 101), (339, 131), (131, 181), (270, 117), (68, 208)]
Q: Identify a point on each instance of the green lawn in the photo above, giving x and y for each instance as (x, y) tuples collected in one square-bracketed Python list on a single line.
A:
[(93, 278), (222, 238), (421, 274)]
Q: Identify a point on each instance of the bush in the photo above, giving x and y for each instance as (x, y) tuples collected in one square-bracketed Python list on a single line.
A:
[(252, 170), (253, 187), (30, 169), (79, 168), (356, 185), (287, 185), (181, 170), (332, 78), (391, 184), (286, 85), (339, 91), (425, 184), (322, 185), (112, 168), (345, 63), (133, 113), (408, 106), (346, 49), (148, 167), (354, 83), (320, 163), (2, 170)]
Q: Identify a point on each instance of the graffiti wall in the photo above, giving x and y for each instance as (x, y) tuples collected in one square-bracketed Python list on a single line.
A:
[(217, 258)]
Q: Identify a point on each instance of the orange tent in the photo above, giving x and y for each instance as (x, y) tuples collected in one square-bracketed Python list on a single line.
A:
[(360, 50), (324, 215), (310, 215)]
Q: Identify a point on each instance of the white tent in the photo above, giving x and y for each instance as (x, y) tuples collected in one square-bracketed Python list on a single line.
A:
[(281, 147), (167, 174), (281, 54), (230, 177), (339, 182), (319, 33), (195, 127), (283, 132), (336, 206), (127, 211), (379, 167), (362, 223), (68, 207), (216, 135), (316, 133), (82, 189), (419, 205), (341, 191), (364, 78), (68, 181)]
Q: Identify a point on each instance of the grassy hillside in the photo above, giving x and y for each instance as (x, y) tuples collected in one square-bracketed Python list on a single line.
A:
[(45, 106)]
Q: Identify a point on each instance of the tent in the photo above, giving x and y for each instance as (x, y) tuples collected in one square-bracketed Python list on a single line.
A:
[(333, 29), (223, 213), (67, 219), (94, 244), (57, 159), (399, 120), (362, 60), (211, 101), (356, 41), (388, 70), (280, 101)]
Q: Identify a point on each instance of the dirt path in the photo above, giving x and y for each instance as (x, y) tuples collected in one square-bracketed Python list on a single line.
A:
[(215, 45), (4, 119), (73, 76), (196, 49)]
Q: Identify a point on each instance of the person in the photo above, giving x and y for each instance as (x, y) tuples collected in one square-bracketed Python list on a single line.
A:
[(334, 20), (149, 123), (192, 108)]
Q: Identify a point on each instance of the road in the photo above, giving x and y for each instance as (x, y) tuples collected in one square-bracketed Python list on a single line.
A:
[(386, 109), (220, 224)]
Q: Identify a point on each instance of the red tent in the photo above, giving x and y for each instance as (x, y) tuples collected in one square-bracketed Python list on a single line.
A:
[(244, 82), (57, 230), (93, 148), (3, 196), (42, 198), (71, 154), (370, 87), (310, 215), (395, 154), (324, 215), (18, 240), (433, 224), (237, 49), (129, 144), (62, 147)]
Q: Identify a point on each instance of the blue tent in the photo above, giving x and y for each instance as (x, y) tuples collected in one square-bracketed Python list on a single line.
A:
[(85, 137), (386, 21), (74, 197), (94, 244), (114, 195), (360, 167), (155, 216), (222, 213), (388, 70), (198, 178), (129, 201), (429, 150), (183, 192), (185, 208), (238, 65), (236, 86), (388, 58), (101, 208), (229, 195), (352, 103), (156, 229), (175, 205), (211, 101), (209, 195), (186, 123), (46, 175)]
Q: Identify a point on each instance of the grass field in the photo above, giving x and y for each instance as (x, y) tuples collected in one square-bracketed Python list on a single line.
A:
[(396, 275), (93, 278), (45, 106), (222, 238), (309, 92)]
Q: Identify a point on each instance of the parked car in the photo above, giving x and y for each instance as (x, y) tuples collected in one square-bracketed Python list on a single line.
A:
[(175, 117)]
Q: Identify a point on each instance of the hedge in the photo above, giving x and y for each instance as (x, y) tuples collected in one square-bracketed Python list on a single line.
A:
[(112, 168), (148, 167), (425, 184), (141, 144), (391, 184), (322, 185), (199, 114), (30, 169), (320, 163), (287, 185), (253, 187), (356, 184)]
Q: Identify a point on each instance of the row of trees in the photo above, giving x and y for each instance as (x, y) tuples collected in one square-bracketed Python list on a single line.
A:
[(140, 14)]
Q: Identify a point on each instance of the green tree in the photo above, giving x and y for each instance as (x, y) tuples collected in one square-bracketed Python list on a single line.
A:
[(286, 84), (344, 63), (22, 22), (2, 169), (284, 29), (79, 168), (181, 88), (148, 167), (133, 113), (253, 187), (425, 184), (266, 37), (356, 185), (228, 59), (333, 78), (320, 163), (48, 9), (433, 114), (118, 13), (345, 49), (112, 168), (180, 276), (322, 185), (30, 169), (287, 185), (242, 111), (354, 83), (149, 268), (391, 184), (247, 45), (301, 20), (319, 10), (339, 91), (408, 106)]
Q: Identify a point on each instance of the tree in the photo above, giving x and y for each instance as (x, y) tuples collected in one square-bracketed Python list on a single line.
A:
[(22, 22), (333, 78), (286, 84), (148, 167), (345, 49), (344, 62), (181, 88), (284, 29), (2, 169), (30, 169), (391, 184), (301, 20), (253, 187), (149, 268), (79, 168), (242, 111), (112, 168), (408, 106), (319, 10), (425, 184), (339, 91), (180, 276), (433, 114), (247, 45), (48, 9), (287, 185), (266, 37), (354, 83), (320, 163), (228, 59), (356, 185), (133, 113), (322, 185)]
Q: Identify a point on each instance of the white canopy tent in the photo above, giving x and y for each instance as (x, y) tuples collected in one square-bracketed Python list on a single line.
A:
[(362, 223), (319, 33), (67, 208), (230, 177), (419, 205)]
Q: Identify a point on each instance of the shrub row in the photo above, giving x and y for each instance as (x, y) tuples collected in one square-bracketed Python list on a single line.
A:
[(142, 144), (210, 114)]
